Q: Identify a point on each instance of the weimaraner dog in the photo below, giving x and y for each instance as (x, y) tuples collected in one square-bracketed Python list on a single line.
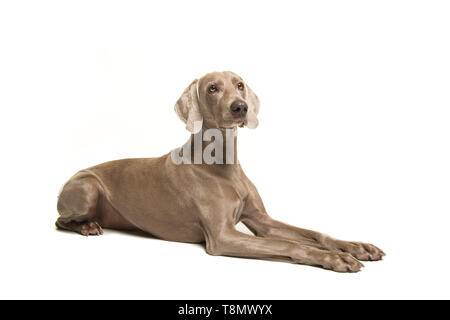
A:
[(199, 202)]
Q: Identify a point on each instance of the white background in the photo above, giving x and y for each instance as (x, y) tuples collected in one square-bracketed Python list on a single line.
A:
[(353, 139)]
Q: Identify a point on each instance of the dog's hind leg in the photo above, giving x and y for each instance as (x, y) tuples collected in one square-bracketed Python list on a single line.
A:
[(78, 206)]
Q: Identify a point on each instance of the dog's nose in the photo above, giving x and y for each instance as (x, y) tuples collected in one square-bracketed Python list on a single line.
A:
[(239, 108)]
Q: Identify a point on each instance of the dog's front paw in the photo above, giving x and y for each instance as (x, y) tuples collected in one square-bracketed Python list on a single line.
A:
[(341, 262), (361, 251)]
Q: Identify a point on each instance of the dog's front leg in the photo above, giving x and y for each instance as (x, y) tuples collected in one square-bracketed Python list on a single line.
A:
[(229, 242), (261, 224), (264, 226)]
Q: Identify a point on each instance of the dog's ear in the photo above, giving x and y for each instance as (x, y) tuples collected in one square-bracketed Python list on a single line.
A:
[(253, 109), (188, 110)]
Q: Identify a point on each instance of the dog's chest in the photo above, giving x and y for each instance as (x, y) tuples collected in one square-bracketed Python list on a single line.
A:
[(223, 190), (238, 195)]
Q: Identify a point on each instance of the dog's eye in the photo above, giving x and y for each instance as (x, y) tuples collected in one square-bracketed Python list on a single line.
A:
[(212, 89), (240, 86)]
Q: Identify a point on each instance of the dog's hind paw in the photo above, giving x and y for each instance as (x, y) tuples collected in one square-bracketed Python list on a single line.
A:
[(91, 228)]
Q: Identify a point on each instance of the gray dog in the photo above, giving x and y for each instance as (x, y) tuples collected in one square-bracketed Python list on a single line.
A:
[(200, 202)]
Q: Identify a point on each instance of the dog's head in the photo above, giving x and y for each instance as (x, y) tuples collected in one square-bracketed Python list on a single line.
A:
[(218, 100)]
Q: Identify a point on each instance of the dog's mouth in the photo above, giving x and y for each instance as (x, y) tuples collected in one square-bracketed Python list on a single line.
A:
[(239, 123), (231, 123)]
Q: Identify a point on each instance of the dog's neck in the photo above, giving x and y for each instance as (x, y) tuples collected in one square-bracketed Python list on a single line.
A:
[(204, 142)]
